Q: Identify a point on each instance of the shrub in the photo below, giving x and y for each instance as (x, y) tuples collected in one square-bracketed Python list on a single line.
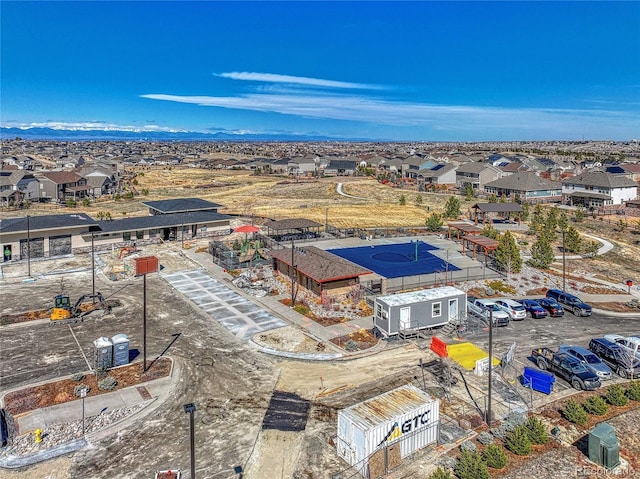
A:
[(575, 413), (78, 389), (485, 438), (471, 466), (440, 473), (537, 431), (447, 462), (633, 391), (494, 457), (499, 432), (468, 446), (78, 376), (596, 405), (107, 383), (518, 441), (513, 420), (615, 396)]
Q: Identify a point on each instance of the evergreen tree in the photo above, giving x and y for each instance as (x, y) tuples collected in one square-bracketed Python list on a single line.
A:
[(418, 200), (403, 200), (493, 198), (508, 255), (563, 222), (434, 222), (469, 194), (537, 223), (490, 232), (551, 223), (572, 240), (526, 211), (579, 215), (471, 466), (452, 207), (541, 254)]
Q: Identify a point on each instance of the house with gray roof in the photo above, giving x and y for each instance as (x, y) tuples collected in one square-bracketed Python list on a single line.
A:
[(440, 174), (598, 188), (58, 186), (528, 186), (476, 174)]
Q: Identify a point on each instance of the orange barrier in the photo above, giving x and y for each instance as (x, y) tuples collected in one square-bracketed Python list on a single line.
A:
[(439, 347)]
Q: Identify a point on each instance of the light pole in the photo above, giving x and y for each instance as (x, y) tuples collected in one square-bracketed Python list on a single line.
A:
[(28, 248), (83, 394), (564, 263), (488, 418), (190, 409)]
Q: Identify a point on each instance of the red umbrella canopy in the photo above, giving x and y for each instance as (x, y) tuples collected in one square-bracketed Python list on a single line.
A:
[(246, 229)]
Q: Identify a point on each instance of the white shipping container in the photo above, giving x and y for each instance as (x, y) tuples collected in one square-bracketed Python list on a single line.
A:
[(406, 415)]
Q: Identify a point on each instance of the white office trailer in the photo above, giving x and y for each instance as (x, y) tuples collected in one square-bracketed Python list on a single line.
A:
[(380, 432), (417, 310)]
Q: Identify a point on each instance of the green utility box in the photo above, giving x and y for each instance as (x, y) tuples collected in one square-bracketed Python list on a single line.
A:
[(604, 446)]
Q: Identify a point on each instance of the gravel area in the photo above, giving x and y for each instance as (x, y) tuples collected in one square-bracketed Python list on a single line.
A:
[(62, 433)]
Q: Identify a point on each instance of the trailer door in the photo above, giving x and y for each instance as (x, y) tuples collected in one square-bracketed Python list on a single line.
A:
[(405, 318), (453, 309)]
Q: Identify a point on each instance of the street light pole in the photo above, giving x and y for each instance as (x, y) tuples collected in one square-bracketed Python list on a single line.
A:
[(564, 264), (190, 409), (488, 418), (93, 271), (83, 394), (28, 248)]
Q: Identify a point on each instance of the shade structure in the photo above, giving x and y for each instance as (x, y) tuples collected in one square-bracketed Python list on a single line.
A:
[(246, 229)]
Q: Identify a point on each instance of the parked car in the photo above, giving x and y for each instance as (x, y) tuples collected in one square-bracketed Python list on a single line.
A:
[(631, 343), (553, 308), (567, 367), (614, 357), (533, 307), (486, 308), (590, 360), (514, 309), (570, 302)]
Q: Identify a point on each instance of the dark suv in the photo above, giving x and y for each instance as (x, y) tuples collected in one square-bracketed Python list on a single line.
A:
[(570, 302), (626, 365)]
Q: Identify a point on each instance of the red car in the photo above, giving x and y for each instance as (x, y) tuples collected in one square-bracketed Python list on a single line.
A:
[(551, 306)]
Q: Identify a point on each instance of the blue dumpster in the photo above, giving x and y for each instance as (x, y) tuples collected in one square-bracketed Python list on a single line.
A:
[(538, 380)]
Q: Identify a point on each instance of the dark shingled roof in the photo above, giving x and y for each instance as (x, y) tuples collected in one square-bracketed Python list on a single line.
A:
[(292, 223), (161, 221), (320, 265), (179, 205), (48, 222), (600, 178), (498, 207), (525, 181)]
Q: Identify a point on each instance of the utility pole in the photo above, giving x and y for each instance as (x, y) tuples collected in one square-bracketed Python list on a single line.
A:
[(488, 418), (564, 264), (190, 409), (28, 248)]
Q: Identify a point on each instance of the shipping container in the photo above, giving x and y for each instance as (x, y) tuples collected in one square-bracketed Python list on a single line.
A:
[(403, 420), (417, 310)]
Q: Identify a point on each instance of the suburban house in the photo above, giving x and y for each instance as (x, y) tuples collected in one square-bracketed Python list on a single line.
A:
[(476, 174), (100, 181), (318, 271), (440, 174), (598, 188), (59, 186), (528, 186), (18, 186), (340, 167), (303, 166)]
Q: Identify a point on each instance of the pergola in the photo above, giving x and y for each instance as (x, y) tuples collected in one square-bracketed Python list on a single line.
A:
[(484, 243), (463, 226), (293, 228), (500, 208)]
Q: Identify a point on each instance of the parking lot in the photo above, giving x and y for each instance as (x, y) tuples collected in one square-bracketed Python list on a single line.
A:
[(231, 382)]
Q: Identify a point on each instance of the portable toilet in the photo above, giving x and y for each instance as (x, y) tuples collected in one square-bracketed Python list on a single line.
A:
[(103, 352), (604, 446), (120, 349)]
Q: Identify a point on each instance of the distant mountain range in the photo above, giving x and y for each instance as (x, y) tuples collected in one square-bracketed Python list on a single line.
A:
[(7, 133)]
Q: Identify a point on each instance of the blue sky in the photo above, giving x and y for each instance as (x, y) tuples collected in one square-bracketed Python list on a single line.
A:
[(450, 71)]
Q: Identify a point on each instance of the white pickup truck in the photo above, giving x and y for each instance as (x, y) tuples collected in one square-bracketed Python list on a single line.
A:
[(484, 307)]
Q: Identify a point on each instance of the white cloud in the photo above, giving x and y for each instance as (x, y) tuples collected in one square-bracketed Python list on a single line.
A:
[(383, 112), (294, 80), (89, 125)]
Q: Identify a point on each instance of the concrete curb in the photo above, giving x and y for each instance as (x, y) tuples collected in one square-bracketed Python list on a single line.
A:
[(15, 462)]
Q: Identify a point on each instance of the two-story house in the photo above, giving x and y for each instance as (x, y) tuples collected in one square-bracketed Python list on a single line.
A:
[(476, 174), (526, 185), (58, 186), (593, 189)]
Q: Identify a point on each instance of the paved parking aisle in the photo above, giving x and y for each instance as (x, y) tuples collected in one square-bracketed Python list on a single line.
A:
[(236, 313)]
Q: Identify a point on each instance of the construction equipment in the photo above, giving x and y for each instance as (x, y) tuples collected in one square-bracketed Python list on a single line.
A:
[(63, 310)]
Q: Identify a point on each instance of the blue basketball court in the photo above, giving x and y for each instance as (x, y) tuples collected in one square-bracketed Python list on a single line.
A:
[(396, 260)]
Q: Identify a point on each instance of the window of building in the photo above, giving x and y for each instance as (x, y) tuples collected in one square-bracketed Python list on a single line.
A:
[(436, 310), (126, 236), (139, 235)]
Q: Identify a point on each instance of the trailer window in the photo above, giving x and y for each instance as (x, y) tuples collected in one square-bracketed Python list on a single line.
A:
[(436, 310)]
